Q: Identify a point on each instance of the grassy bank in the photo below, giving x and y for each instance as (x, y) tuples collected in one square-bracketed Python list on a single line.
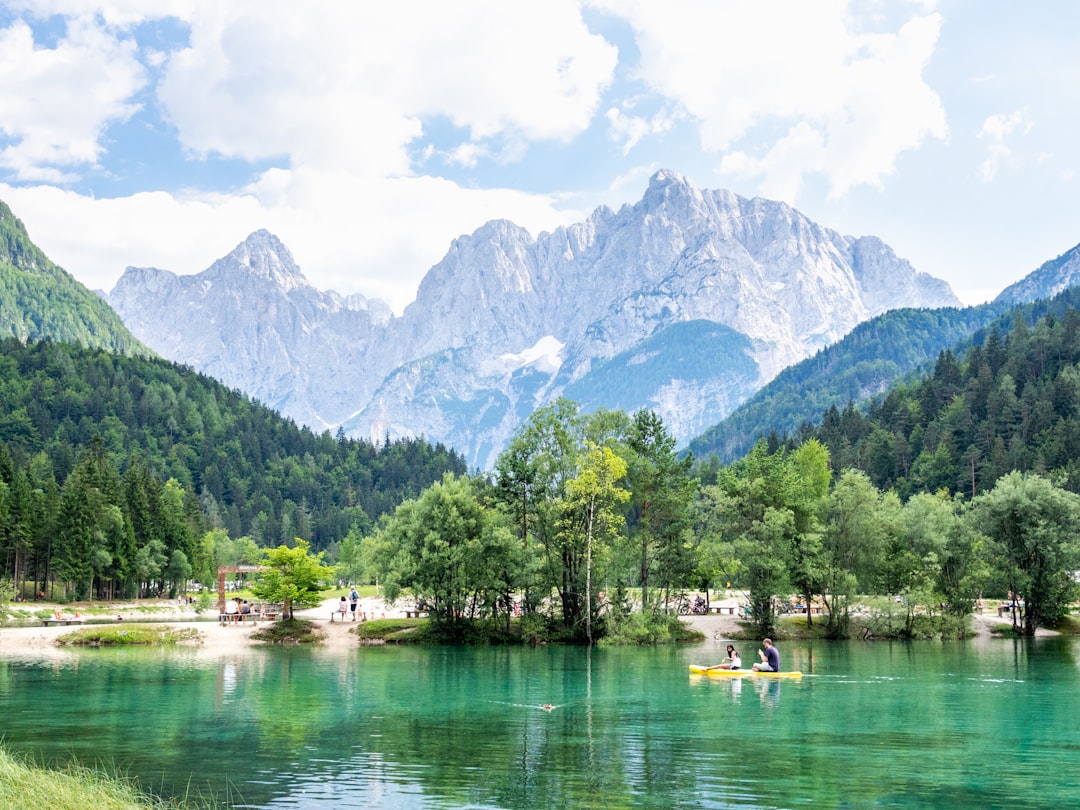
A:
[(130, 635), (24, 785)]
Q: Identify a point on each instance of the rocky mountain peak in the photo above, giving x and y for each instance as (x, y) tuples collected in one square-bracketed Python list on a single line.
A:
[(264, 256), (685, 302)]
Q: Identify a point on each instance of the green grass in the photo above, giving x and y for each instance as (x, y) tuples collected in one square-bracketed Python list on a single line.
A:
[(289, 631), (24, 786), (129, 635), (1068, 626), (392, 630)]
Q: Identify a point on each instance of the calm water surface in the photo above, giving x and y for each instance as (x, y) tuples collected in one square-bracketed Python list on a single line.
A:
[(980, 724)]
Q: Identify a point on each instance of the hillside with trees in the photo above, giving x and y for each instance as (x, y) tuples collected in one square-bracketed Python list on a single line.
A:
[(864, 364), (1009, 402), (40, 301), (118, 475)]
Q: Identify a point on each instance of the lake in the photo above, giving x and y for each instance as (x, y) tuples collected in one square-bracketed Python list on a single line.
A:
[(987, 723)]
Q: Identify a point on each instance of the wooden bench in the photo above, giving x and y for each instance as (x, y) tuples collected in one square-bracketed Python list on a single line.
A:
[(730, 609), (65, 621), (415, 614), (237, 618)]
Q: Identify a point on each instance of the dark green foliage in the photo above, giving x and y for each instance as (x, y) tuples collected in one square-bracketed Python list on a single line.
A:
[(1010, 402), (39, 301), (864, 364), (132, 459)]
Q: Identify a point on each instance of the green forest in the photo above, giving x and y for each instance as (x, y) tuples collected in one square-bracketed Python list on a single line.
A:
[(951, 490), (1011, 402), (124, 476)]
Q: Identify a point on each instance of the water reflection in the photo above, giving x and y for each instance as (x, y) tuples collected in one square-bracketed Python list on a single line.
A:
[(891, 725)]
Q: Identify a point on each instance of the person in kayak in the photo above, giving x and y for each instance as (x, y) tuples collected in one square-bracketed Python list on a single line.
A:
[(770, 658), (733, 661)]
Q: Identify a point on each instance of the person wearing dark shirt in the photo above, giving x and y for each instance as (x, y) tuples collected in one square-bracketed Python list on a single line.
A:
[(770, 658)]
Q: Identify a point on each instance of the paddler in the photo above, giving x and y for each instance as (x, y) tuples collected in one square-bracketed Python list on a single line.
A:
[(770, 657)]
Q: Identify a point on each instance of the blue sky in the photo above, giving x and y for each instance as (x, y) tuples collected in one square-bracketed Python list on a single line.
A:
[(368, 136)]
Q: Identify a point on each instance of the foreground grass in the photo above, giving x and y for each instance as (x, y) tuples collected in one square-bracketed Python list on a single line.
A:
[(129, 635), (23, 785)]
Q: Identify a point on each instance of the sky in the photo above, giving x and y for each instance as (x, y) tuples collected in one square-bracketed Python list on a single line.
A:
[(369, 135)]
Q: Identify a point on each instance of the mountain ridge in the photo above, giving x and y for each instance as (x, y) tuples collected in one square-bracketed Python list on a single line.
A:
[(595, 288)]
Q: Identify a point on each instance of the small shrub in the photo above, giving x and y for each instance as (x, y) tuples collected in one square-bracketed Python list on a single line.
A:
[(289, 631), (648, 629)]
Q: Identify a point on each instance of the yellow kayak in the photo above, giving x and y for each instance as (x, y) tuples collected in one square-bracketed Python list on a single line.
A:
[(738, 673)]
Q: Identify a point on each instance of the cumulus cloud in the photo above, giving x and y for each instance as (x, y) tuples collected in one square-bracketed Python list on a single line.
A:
[(995, 132), (339, 95), (814, 91), (379, 242), (56, 103), (350, 85)]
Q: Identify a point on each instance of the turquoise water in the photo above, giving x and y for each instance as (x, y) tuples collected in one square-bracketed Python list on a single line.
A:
[(980, 724)]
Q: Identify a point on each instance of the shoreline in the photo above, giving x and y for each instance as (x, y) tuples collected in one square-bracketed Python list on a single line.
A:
[(213, 636), (721, 627), (217, 638)]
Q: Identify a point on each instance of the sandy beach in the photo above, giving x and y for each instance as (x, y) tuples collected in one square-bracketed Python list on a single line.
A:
[(218, 638), (212, 635)]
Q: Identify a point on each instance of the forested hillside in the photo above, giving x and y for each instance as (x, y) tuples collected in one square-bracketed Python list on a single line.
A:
[(873, 356), (39, 300), (1010, 402), (117, 455)]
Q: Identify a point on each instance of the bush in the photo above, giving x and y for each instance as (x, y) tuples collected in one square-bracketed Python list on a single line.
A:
[(648, 629), (289, 631)]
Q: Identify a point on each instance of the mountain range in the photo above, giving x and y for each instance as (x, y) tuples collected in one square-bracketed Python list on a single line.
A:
[(686, 302)]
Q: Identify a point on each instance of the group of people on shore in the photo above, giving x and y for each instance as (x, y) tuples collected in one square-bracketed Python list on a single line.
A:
[(237, 609), (350, 606), (769, 655)]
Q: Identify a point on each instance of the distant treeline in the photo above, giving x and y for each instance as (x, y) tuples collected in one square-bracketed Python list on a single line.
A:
[(145, 442), (1010, 402)]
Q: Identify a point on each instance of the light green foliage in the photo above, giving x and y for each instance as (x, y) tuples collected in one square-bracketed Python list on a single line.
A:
[(773, 504), (1032, 525), (7, 593), (294, 577), (350, 564), (854, 540), (591, 511), (450, 548)]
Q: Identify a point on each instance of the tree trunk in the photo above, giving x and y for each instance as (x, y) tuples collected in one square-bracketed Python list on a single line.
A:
[(588, 572)]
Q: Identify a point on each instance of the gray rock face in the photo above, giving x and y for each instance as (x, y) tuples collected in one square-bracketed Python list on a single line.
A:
[(252, 321), (1047, 281), (506, 323)]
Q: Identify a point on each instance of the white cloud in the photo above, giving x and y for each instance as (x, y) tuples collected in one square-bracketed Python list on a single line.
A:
[(377, 236), (349, 85), (629, 130), (994, 132), (55, 103), (798, 78), (337, 93)]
